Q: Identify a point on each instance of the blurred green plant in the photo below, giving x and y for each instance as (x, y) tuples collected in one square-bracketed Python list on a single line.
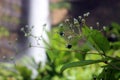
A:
[(3, 32), (7, 72), (74, 51), (58, 54), (93, 40), (61, 4), (15, 72), (86, 46), (113, 35)]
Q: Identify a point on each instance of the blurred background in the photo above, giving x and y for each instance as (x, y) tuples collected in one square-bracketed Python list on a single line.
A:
[(16, 14), (13, 16)]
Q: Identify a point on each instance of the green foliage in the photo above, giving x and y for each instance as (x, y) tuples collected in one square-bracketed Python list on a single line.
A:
[(14, 72), (113, 34), (93, 40), (7, 72), (3, 32), (96, 39), (115, 29), (59, 54), (61, 4), (80, 63), (24, 72), (74, 51), (111, 71)]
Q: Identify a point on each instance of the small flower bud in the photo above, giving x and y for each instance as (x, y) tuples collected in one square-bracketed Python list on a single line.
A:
[(71, 25), (85, 15), (91, 27), (94, 78), (25, 34), (67, 20), (98, 24), (61, 33), (69, 46), (80, 17), (101, 79), (105, 62), (113, 36), (83, 21), (22, 29), (88, 13), (76, 21), (70, 37), (104, 27), (60, 25)]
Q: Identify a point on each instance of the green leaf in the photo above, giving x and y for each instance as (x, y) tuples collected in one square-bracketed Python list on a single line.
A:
[(116, 25), (99, 40), (112, 69), (86, 31), (80, 63), (80, 56), (96, 39)]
